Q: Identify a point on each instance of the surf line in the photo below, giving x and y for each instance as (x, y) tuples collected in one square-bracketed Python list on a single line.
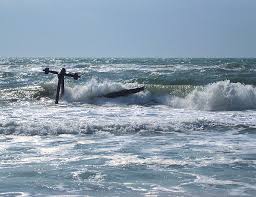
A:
[(60, 86)]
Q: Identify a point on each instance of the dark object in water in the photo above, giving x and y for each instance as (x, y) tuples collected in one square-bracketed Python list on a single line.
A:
[(124, 92), (61, 76)]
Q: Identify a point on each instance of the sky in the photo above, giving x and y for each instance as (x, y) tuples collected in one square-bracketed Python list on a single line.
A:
[(127, 28)]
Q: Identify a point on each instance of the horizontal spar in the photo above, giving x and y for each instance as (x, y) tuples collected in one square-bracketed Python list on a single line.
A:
[(63, 72)]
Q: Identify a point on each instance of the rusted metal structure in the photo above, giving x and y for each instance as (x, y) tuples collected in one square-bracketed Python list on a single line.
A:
[(61, 76)]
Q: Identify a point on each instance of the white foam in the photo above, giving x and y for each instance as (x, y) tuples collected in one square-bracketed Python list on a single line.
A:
[(18, 194), (128, 159), (212, 181), (84, 118), (222, 95), (219, 96), (90, 90)]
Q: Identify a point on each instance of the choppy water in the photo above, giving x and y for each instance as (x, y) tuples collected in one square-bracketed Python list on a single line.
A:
[(192, 132)]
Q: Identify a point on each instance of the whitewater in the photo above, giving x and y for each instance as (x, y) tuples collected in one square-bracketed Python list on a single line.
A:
[(191, 132)]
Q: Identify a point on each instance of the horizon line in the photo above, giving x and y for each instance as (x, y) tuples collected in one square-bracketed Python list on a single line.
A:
[(130, 57)]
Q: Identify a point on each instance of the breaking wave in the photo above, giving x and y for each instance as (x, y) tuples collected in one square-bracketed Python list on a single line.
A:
[(218, 96), (28, 128)]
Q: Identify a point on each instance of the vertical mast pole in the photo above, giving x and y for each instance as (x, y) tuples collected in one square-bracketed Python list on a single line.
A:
[(63, 73), (60, 87), (58, 90)]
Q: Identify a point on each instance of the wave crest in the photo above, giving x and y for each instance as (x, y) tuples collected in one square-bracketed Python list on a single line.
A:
[(219, 96)]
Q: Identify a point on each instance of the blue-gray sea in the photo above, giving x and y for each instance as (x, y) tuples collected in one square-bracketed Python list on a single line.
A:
[(192, 132)]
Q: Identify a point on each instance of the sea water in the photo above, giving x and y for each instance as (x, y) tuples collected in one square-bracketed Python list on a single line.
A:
[(192, 132)]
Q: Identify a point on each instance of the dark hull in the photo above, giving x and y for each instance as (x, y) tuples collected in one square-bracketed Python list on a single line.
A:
[(125, 92)]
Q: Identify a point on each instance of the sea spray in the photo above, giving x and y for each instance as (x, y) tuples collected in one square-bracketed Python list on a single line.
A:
[(92, 89), (190, 133), (219, 96)]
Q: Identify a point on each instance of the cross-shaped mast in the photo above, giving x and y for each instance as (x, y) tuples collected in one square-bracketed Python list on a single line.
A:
[(61, 76)]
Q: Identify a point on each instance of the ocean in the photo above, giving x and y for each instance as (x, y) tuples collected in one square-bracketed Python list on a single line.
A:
[(191, 132)]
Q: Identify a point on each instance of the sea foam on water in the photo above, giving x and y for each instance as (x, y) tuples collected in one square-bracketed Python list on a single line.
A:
[(190, 133)]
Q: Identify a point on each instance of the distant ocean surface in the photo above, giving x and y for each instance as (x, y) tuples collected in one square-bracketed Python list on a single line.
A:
[(192, 132)]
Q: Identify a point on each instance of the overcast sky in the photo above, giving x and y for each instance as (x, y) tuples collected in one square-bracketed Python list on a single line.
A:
[(128, 28)]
